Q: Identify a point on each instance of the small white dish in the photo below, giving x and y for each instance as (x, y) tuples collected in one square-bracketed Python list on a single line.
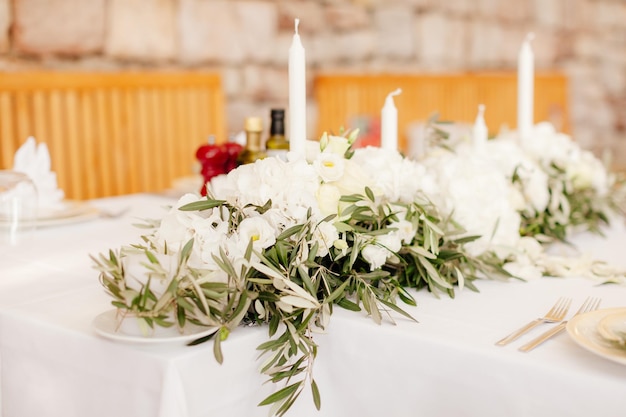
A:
[(613, 327), (584, 330), (107, 325)]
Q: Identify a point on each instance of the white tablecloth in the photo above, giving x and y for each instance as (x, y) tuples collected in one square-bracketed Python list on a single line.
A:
[(53, 364)]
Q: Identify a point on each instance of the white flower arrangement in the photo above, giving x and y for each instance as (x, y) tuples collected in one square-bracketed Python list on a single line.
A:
[(283, 242)]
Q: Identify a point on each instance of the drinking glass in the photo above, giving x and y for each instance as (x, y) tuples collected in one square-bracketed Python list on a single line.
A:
[(18, 208)]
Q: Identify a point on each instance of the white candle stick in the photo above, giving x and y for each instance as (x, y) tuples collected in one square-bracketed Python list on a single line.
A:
[(479, 132), (525, 88), (389, 123), (297, 96)]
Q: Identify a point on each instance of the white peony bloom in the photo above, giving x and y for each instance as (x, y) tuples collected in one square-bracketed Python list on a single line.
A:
[(471, 187), (586, 171), (397, 178), (509, 158), (178, 227), (290, 186)]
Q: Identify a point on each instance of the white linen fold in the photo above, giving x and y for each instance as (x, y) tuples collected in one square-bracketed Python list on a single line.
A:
[(34, 160)]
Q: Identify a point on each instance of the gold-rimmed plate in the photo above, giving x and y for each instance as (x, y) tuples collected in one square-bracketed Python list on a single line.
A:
[(584, 329)]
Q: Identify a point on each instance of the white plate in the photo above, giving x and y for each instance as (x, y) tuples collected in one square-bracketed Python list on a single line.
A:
[(69, 212), (584, 330), (107, 325)]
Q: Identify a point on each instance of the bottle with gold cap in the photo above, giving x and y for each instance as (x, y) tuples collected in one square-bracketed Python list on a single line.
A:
[(254, 149), (277, 144)]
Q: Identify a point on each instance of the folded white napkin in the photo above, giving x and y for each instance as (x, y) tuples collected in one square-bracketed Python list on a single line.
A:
[(34, 161)]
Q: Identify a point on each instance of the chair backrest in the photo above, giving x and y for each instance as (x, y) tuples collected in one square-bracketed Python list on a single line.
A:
[(112, 133), (455, 97)]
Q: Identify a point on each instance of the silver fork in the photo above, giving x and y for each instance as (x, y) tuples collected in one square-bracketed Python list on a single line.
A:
[(590, 304), (556, 313)]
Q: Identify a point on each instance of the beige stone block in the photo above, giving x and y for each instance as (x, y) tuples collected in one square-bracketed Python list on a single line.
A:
[(441, 41), (617, 148), (232, 81), (5, 21), (612, 77), (460, 7), (551, 13), (394, 31), (347, 17), (545, 48), (355, 46), (511, 39), (485, 44), (585, 45), (280, 48), (237, 109), (515, 11), (266, 83), (322, 50), (258, 23), (141, 29), (227, 31), (344, 47), (310, 13), (52, 27), (488, 8), (608, 14), (577, 15)]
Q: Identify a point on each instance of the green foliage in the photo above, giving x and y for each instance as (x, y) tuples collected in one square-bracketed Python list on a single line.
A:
[(569, 209), (292, 288)]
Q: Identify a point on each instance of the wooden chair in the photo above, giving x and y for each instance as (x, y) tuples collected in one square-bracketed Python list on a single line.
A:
[(342, 97), (112, 133)]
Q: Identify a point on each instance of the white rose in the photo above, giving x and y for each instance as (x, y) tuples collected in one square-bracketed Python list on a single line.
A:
[(404, 230), (337, 145), (325, 234), (390, 241), (355, 179), (257, 229), (329, 166), (375, 255), (328, 196)]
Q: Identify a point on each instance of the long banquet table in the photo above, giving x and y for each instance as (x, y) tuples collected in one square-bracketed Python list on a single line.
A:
[(52, 363)]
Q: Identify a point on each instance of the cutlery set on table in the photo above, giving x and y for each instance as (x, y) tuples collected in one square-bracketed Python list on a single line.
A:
[(599, 331), (555, 317)]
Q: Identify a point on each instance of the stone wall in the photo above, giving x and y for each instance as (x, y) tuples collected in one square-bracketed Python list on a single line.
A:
[(247, 41)]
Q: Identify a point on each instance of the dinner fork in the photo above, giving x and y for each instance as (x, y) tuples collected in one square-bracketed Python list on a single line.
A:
[(556, 313), (590, 304)]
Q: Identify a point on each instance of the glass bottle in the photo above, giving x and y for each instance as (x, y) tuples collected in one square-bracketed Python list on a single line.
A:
[(277, 144), (254, 149)]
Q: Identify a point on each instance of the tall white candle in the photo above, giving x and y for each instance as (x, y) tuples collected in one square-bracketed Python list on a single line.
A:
[(297, 96), (479, 131), (389, 123), (525, 88)]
